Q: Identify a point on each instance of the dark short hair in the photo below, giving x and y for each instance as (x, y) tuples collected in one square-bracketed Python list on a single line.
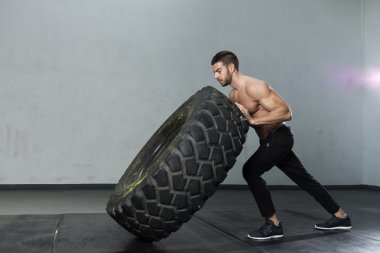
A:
[(227, 57)]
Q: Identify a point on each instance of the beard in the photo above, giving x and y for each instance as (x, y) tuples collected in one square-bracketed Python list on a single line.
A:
[(227, 80)]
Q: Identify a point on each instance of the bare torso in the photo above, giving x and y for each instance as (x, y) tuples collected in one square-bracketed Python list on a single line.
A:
[(255, 109)]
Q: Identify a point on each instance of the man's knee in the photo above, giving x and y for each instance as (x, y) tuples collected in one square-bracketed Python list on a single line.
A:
[(254, 171), (249, 172)]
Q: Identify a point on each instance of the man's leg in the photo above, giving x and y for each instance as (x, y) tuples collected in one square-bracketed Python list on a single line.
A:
[(294, 169), (270, 152)]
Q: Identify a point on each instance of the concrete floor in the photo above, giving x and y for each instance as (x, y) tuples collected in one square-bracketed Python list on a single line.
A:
[(53, 201), (75, 221)]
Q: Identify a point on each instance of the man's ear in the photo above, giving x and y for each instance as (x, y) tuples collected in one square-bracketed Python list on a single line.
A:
[(231, 67)]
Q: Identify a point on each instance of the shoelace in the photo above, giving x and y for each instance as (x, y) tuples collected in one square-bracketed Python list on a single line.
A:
[(266, 228)]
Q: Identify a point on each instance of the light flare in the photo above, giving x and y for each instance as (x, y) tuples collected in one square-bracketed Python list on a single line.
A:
[(372, 79), (356, 79)]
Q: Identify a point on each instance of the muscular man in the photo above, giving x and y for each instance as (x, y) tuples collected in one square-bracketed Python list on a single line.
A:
[(266, 111)]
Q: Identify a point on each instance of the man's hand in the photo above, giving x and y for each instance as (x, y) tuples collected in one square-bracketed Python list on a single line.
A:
[(246, 114)]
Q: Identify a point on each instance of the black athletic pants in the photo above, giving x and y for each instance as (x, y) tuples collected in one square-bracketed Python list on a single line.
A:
[(276, 150)]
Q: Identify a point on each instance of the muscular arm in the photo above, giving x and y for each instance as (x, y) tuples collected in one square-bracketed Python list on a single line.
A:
[(276, 108)]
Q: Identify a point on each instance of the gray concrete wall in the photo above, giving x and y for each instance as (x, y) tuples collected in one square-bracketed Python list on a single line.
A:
[(371, 115), (84, 84)]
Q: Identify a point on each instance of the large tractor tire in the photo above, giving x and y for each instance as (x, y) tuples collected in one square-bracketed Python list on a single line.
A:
[(180, 166)]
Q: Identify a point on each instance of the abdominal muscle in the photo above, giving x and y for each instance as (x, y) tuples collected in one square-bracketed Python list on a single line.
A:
[(258, 111), (264, 130)]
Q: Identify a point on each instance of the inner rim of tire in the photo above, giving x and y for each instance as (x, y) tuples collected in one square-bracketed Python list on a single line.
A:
[(150, 156)]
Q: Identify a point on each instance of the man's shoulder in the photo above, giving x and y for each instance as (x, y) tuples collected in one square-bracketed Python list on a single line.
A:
[(257, 88), (254, 83)]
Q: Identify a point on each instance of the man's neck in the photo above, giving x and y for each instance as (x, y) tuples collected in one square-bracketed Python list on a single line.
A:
[(237, 82)]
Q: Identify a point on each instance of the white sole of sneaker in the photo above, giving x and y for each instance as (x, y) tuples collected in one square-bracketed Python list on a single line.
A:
[(334, 228), (265, 238)]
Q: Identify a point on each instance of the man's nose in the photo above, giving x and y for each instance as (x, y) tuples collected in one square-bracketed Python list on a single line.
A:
[(216, 75)]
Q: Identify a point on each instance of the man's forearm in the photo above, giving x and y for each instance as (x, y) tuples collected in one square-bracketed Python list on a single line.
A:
[(271, 118)]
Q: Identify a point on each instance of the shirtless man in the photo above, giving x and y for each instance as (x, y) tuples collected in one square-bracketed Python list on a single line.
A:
[(266, 111)]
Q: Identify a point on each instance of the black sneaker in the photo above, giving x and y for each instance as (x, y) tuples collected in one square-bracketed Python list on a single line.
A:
[(267, 231), (335, 223)]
